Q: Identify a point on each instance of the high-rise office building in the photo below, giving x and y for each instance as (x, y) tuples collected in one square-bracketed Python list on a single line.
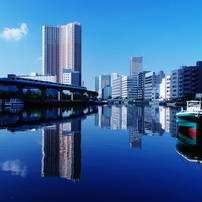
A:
[(135, 65), (61, 49), (101, 82)]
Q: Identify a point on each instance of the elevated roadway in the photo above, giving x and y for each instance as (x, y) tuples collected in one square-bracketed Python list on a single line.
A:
[(22, 83)]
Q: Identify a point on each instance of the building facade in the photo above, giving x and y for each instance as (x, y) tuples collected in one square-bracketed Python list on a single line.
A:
[(151, 85), (71, 77), (103, 81), (176, 87), (164, 93), (61, 49), (117, 87), (129, 87), (135, 65)]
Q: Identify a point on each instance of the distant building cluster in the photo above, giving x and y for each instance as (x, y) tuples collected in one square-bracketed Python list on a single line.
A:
[(149, 85)]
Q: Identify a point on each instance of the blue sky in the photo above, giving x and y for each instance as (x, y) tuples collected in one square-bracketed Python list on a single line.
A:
[(167, 33)]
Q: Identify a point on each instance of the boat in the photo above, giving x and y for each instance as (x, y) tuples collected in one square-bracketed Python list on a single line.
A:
[(194, 108), (189, 137), (14, 103), (189, 143)]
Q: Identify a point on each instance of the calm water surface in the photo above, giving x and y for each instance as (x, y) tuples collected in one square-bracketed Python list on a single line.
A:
[(105, 153)]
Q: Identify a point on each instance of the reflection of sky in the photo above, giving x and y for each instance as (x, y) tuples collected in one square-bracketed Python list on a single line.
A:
[(16, 167)]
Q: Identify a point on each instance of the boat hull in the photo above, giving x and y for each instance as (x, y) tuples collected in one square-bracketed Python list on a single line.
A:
[(189, 138)]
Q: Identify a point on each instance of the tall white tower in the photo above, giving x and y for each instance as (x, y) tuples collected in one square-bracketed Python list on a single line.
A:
[(61, 49)]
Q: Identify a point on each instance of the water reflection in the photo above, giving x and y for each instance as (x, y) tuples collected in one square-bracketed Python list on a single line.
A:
[(16, 167), (142, 120), (61, 148), (61, 139), (61, 132), (38, 118)]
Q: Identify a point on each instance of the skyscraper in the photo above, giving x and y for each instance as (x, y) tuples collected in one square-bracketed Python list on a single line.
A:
[(61, 49), (103, 81), (135, 65)]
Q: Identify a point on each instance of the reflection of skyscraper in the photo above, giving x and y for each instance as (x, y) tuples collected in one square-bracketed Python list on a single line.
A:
[(61, 150), (125, 117), (103, 117), (116, 117), (135, 138), (168, 119)]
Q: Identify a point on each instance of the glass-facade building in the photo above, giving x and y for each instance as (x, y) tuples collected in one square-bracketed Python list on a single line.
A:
[(61, 49), (135, 65)]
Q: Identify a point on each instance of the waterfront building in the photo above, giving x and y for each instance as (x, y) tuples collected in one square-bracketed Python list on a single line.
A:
[(106, 92), (61, 49), (186, 82), (164, 93), (97, 83), (155, 92), (140, 84), (189, 81), (71, 77), (197, 75), (149, 84), (176, 87), (135, 65), (113, 76), (117, 87), (151, 81), (129, 87), (102, 81)]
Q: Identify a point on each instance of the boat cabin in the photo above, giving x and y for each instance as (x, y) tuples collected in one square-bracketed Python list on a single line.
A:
[(194, 106)]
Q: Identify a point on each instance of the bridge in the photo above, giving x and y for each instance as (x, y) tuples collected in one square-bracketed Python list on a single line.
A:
[(22, 83)]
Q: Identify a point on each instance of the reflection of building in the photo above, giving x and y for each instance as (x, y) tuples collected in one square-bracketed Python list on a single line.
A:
[(122, 117), (138, 120), (135, 138), (61, 150), (103, 117), (167, 117), (116, 117), (137, 130)]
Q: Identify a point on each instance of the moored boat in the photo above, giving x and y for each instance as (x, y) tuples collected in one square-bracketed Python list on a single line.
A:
[(13, 102), (189, 138), (194, 108)]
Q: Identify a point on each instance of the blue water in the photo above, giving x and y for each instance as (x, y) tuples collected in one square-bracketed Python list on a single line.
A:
[(94, 157)]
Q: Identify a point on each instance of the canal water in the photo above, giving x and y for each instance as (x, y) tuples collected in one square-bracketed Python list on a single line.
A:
[(100, 153)]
